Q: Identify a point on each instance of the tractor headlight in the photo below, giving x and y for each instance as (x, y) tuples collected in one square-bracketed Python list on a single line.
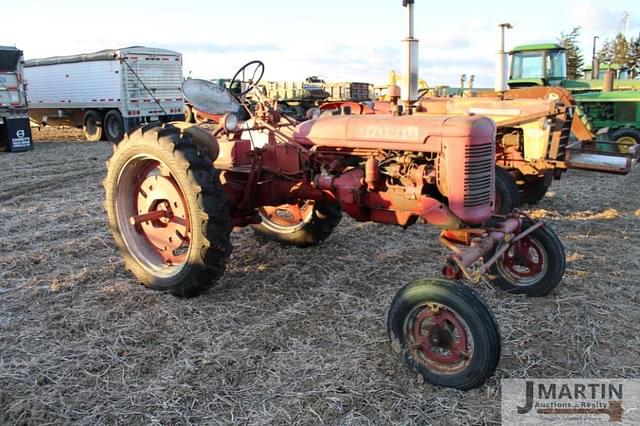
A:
[(313, 113), (229, 122)]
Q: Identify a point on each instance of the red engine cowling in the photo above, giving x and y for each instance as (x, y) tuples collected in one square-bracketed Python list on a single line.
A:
[(465, 148)]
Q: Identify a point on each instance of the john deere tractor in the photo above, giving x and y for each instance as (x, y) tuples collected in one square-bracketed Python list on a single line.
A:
[(610, 108)]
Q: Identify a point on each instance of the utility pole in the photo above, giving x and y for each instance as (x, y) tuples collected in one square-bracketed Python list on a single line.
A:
[(595, 64)]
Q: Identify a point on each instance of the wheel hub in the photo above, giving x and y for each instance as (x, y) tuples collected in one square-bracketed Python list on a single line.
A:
[(524, 259), (440, 338), (162, 217)]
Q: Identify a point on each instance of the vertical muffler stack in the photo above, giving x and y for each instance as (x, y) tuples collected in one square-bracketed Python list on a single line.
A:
[(502, 63), (409, 88)]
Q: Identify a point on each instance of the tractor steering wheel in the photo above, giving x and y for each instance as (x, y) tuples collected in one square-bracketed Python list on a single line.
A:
[(254, 70)]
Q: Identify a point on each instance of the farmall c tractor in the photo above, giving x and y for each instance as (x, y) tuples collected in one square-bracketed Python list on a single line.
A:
[(175, 191)]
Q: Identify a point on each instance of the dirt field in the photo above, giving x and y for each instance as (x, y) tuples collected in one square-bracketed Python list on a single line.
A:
[(289, 336)]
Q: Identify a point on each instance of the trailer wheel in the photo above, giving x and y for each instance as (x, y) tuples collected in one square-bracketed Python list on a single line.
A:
[(626, 138), (189, 116), (507, 193), (532, 192), (304, 224), (446, 332), (167, 211), (114, 126), (92, 125), (533, 266)]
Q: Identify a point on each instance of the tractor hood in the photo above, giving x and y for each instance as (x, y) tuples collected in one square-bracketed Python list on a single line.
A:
[(410, 132)]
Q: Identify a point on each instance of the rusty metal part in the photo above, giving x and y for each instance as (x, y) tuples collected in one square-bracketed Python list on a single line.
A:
[(439, 338), (503, 236)]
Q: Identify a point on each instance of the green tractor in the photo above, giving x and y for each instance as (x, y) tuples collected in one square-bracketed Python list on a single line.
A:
[(615, 113)]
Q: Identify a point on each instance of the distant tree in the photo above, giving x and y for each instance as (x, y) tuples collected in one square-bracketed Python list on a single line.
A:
[(620, 49), (633, 56), (605, 53), (575, 59)]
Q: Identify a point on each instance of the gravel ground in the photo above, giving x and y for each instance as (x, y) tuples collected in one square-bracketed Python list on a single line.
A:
[(288, 336)]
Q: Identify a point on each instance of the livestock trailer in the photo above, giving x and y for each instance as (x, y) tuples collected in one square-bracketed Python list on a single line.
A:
[(106, 93)]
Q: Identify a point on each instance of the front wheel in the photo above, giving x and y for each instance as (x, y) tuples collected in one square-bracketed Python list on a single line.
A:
[(303, 224), (167, 211), (533, 265), (446, 332)]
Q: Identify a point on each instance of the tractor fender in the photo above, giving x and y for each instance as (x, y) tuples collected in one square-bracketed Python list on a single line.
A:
[(200, 137)]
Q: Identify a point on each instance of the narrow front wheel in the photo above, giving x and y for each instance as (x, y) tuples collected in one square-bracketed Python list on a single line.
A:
[(533, 265), (444, 331)]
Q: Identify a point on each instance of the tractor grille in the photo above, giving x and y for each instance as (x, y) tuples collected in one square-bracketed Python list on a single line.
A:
[(478, 174)]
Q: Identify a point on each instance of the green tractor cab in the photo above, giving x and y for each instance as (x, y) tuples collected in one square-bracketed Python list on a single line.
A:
[(614, 113)]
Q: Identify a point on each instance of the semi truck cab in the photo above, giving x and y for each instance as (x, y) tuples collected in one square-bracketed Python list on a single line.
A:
[(15, 132)]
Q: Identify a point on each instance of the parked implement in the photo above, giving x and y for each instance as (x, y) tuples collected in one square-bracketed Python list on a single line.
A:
[(174, 191), (106, 93), (15, 132)]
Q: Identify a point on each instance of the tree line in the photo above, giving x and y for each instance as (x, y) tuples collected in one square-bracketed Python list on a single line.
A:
[(618, 50)]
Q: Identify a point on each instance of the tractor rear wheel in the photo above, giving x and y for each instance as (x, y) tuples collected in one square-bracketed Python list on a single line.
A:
[(533, 266), (304, 224), (626, 138), (446, 332), (92, 126), (533, 191), (167, 211), (507, 193)]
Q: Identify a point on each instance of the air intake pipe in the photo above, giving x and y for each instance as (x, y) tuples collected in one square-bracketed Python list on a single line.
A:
[(409, 88), (502, 63)]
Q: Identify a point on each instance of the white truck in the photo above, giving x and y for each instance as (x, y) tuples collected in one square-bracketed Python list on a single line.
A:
[(15, 132), (106, 93)]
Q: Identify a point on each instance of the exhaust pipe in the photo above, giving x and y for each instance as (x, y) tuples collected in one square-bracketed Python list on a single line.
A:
[(409, 88), (502, 63)]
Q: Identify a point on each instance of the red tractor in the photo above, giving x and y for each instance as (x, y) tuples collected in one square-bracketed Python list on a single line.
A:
[(175, 191)]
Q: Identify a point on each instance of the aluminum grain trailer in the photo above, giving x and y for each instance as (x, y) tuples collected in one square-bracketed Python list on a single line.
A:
[(106, 93)]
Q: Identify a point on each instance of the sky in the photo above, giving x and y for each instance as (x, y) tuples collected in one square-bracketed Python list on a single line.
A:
[(340, 40)]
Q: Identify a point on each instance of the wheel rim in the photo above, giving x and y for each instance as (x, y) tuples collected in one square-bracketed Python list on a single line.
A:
[(625, 143), (153, 216), (439, 339), (114, 128), (91, 126), (525, 263), (286, 217)]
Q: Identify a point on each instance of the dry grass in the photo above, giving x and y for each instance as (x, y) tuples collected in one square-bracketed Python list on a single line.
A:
[(289, 336)]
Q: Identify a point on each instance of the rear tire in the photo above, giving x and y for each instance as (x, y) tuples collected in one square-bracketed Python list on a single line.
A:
[(446, 332), (114, 126), (300, 225), (532, 192), (627, 138), (507, 193), (92, 125), (534, 266), (157, 169)]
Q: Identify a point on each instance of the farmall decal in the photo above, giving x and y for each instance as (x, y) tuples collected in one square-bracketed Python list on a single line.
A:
[(387, 133)]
